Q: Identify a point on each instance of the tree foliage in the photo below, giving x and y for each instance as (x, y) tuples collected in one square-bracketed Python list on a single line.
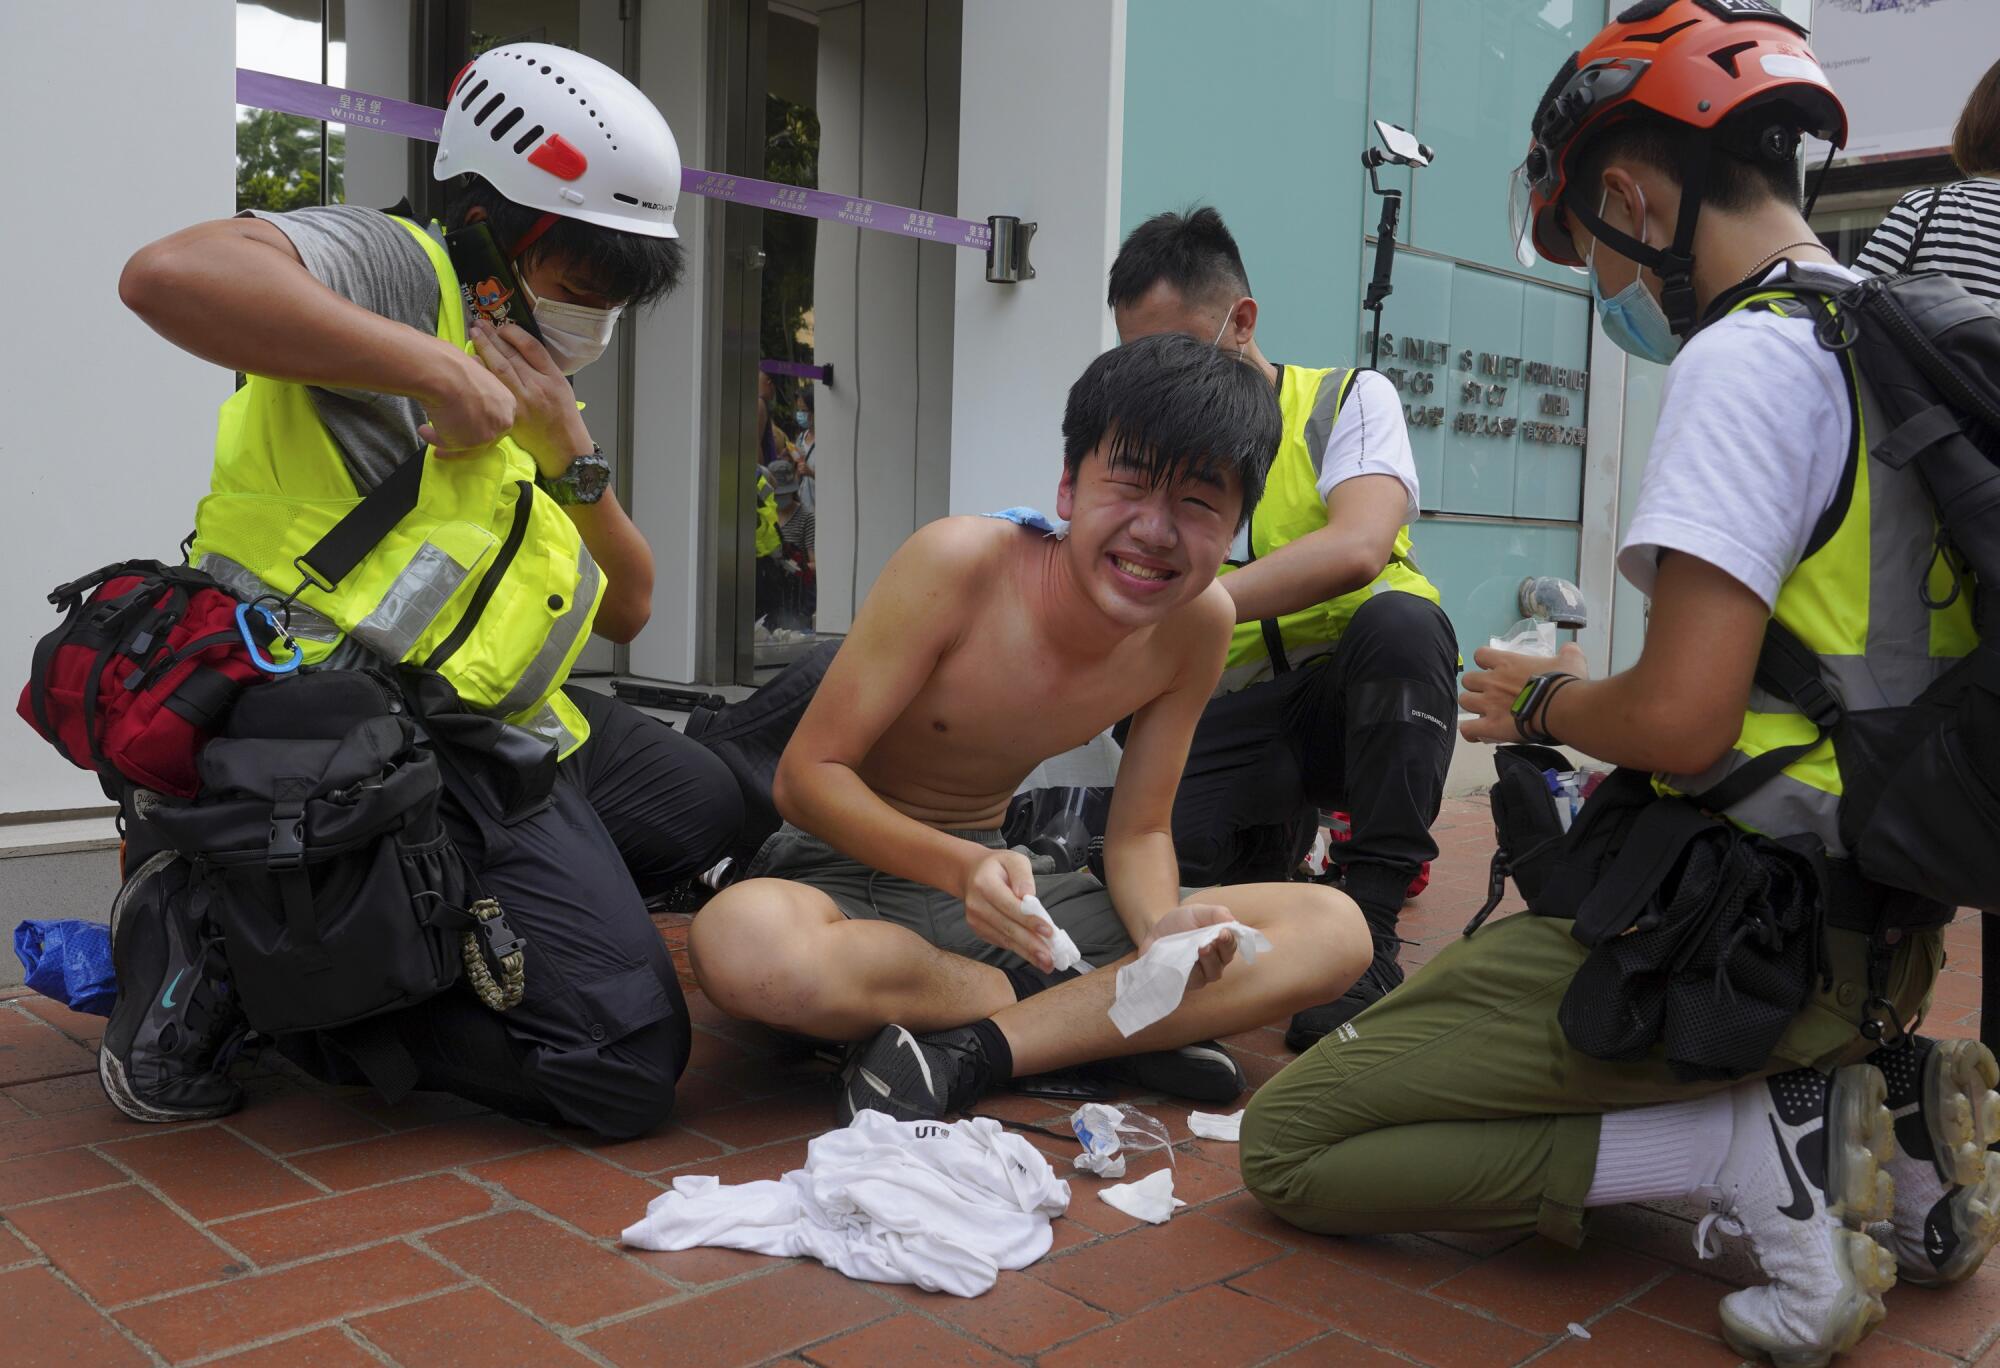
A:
[(278, 162)]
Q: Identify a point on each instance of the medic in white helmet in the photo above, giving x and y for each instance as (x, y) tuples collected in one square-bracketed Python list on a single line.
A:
[(365, 349)]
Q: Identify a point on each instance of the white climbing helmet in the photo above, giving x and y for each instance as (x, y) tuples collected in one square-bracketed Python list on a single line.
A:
[(554, 130)]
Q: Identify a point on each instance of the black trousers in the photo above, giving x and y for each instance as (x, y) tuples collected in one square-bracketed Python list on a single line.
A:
[(1367, 727), (602, 1034)]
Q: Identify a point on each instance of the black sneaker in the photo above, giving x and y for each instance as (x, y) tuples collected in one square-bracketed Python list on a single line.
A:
[(176, 1024), (1202, 1072), (913, 1077), (1383, 974)]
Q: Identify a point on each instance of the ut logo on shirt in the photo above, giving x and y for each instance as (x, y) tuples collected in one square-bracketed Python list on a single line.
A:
[(931, 1130)]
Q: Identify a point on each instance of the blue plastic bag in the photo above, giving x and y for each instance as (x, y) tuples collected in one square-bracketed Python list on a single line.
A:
[(69, 961)]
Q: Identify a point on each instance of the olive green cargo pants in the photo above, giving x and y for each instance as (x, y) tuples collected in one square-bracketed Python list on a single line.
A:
[(1456, 1103)]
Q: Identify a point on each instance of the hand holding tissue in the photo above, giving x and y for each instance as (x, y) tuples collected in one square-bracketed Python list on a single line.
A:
[(1151, 986), (1061, 947)]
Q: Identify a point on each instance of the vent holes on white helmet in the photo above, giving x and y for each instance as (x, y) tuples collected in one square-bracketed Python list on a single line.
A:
[(486, 110), (528, 139), (507, 121), (472, 95)]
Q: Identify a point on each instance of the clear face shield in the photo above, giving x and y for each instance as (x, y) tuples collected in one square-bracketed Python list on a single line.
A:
[(1581, 98), (1521, 220), (1521, 217)]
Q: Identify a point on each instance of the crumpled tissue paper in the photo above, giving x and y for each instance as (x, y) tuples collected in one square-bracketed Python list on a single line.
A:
[(1150, 1199), (1061, 947), (1213, 1126), (1152, 985)]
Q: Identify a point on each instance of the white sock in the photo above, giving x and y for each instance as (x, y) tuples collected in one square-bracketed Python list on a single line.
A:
[(1652, 1154)]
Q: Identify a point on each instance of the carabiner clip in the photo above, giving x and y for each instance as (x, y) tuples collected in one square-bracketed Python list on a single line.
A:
[(257, 656)]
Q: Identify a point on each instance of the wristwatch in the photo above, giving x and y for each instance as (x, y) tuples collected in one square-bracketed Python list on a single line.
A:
[(1531, 706), (584, 482)]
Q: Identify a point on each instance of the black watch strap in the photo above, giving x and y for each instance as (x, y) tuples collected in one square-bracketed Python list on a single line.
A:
[(1531, 706)]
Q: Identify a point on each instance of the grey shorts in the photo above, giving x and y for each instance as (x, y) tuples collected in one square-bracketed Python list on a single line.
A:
[(1078, 903)]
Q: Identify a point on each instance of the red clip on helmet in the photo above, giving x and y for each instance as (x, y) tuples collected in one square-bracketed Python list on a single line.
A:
[(1696, 62)]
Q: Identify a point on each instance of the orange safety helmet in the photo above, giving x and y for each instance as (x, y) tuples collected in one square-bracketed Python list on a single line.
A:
[(1697, 63)]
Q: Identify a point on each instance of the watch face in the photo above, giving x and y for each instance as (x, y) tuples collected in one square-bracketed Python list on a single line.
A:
[(591, 475), (1527, 692)]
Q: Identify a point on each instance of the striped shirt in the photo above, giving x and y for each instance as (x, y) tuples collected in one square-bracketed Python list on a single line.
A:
[(1962, 238), (799, 531)]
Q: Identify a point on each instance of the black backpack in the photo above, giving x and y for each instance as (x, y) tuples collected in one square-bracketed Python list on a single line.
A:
[(319, 854), (1920, 810)]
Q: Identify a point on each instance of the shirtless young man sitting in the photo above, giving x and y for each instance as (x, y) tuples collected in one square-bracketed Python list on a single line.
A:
[(887, 907)]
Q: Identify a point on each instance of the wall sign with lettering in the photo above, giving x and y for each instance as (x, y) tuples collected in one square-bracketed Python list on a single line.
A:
[(1493, 375)]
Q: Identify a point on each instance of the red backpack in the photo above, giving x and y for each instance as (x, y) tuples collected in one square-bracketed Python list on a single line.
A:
[(142, 672)]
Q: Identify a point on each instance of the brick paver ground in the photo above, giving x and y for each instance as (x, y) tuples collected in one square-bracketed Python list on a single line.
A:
[(319, 1227)]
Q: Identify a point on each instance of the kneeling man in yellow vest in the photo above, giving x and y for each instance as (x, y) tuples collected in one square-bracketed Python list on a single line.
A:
[(1735, 1031), (363, 353)]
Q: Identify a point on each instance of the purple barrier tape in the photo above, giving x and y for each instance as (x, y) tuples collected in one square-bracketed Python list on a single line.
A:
[(824, 204), (262, 90), (797, 369)]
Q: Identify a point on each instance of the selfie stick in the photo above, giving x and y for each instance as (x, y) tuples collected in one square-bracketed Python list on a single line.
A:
[(1379, 287)]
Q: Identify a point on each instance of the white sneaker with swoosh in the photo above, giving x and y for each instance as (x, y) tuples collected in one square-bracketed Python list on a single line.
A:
[(1803, 1179)]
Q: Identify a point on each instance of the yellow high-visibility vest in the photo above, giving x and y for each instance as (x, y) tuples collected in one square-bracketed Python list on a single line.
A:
[(487, 580), (1309, 401), (1853, 600), (767, 519)]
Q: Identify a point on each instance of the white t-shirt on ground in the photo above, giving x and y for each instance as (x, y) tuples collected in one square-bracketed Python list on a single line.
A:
[(945, 1206), (1754, 431)]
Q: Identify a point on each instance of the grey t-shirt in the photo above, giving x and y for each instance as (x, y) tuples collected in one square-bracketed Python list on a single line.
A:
[(368, 257)]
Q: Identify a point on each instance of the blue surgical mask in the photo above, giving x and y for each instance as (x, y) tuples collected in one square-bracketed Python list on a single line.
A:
[(1632, 318)]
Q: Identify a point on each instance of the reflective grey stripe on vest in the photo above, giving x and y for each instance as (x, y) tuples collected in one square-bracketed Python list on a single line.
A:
[(1897, 665), (1784, 806), (412, 603), (1257, 671), (549, 724), (1860, 684), (301, 620), (1325, 412), (563, 632)]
